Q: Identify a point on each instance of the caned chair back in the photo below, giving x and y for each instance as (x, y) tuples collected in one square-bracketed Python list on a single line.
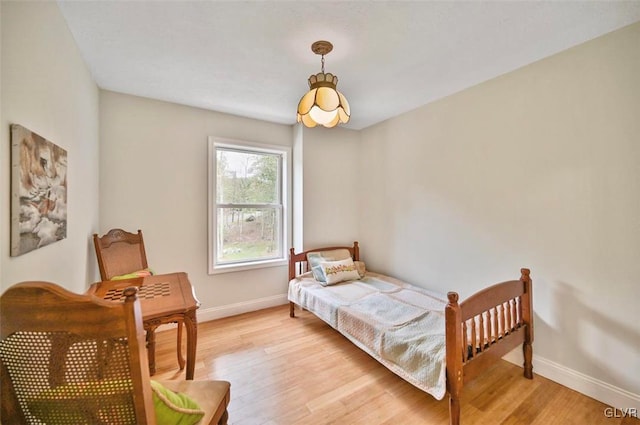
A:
[(72, 359), (120, 252)]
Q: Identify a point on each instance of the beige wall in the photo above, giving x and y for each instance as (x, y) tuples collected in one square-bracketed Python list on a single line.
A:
[(330, 160), (47, 88), (538, 168)]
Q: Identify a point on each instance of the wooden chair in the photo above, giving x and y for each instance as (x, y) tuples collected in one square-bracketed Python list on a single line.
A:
[(76, 359), (120, 252)]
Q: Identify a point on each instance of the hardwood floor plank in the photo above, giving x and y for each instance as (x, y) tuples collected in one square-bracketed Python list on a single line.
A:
[(299, 371), (343, 391)]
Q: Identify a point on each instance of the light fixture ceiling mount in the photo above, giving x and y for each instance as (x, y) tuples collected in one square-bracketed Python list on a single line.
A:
[(321, 47), (323, 104)]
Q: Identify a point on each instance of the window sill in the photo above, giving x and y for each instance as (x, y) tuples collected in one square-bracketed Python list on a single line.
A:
[(230, 268)]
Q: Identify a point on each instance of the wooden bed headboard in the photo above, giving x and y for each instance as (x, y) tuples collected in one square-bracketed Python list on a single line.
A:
[(298, 262)]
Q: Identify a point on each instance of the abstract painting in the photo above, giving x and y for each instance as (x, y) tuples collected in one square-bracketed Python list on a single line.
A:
[(38, 191)]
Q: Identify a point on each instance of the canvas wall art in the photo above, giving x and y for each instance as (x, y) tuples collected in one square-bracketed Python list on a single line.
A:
[(38, 191)]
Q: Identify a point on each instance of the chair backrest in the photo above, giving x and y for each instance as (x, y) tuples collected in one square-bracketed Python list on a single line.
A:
[(72, 359), (120, 252)]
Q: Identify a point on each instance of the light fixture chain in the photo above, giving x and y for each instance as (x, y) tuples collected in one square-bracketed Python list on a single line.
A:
[(322, 64)]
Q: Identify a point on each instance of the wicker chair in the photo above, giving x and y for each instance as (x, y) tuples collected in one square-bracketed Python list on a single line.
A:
[(120, 252), (75, 359)]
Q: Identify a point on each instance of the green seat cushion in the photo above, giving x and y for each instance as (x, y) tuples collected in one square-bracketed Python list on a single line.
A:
[(174, 408)]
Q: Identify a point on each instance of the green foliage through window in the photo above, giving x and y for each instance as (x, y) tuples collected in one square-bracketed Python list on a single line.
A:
[(249, 207)]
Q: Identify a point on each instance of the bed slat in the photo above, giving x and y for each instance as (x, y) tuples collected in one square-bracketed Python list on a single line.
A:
[(474, 341), (507, 317), (465, 343), (494, 323), (482, 340)]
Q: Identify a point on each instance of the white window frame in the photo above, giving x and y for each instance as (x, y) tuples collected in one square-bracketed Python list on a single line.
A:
[(285, 190)]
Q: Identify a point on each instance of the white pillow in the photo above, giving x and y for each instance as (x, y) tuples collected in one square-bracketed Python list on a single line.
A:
[(338, 271), (315, 258)]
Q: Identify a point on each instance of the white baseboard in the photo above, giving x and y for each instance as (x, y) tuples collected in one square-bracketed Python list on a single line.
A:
[(204, 315), (587, 385)]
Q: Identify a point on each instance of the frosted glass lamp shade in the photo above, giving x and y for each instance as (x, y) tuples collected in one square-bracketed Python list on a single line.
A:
[(323, 104)]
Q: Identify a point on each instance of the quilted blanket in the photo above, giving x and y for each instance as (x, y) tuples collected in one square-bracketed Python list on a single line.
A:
[(400, 325)]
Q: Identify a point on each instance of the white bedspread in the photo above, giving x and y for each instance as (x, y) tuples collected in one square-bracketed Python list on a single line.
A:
[(400, 325)]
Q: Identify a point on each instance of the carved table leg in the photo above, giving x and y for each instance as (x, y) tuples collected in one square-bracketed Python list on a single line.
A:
[(151, 346), (179, 346), (191, 325)]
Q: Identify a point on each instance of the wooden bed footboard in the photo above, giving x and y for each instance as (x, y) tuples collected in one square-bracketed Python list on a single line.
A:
[(479, 330), (482, 329)]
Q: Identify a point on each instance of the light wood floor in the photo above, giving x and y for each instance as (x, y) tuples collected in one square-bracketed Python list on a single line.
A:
[(300, 371)]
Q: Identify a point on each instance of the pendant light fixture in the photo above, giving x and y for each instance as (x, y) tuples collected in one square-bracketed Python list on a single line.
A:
[(323, 104)]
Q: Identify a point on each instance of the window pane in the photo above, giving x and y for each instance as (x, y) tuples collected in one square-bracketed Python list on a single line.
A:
[(247, 177), (246, 234)]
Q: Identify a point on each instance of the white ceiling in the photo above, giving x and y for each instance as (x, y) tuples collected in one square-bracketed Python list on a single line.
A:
[(253, 58)]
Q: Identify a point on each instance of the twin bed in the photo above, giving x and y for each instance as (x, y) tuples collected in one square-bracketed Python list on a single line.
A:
[(434, 342)]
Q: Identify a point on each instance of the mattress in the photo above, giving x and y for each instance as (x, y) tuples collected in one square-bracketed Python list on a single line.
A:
[(400, 325)]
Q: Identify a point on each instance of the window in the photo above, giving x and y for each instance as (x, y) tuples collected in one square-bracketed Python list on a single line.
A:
[(247, 205)]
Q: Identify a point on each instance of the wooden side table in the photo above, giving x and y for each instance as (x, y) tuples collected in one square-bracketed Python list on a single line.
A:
[(164, 298)]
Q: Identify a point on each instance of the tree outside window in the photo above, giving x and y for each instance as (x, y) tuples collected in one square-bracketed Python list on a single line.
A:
[(249, 220)]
